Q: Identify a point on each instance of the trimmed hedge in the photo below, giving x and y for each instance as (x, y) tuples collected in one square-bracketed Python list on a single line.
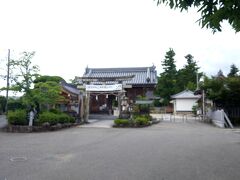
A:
[(137, 121), (121, 122), (17, 117), (53, 118), (141, 121)]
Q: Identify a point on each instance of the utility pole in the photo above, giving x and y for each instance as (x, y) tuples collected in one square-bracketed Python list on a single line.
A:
[(197, 81), (203, 104), (8, 66)]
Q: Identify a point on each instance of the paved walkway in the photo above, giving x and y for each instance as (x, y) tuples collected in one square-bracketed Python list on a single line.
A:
[(99, 121), (95, 123), (165, 151), (106, 121)]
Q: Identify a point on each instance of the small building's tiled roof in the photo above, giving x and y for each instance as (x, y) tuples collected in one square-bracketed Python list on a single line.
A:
[(186, 94), (70, 88), (142, 75)]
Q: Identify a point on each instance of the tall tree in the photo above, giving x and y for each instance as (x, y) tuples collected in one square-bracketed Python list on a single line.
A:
[(167, 81), (47, 91), (233, 71), (213, 12), (216, 90), (24, 72), (225, 92), (220, 74), (187, 76)]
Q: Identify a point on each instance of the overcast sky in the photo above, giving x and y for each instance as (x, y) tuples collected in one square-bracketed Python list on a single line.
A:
[(69, 35)]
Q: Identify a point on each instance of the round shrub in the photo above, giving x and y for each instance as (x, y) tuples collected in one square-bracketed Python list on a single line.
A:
[(17, 117), (141, 121), (63, 118), (49, 117), (53, 118), (121, 122)]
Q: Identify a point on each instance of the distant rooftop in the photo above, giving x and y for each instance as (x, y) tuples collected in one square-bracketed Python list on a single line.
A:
[(140, 75), (186, 94)]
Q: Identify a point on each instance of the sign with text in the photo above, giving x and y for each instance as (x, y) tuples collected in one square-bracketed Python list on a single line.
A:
[(113, 87)]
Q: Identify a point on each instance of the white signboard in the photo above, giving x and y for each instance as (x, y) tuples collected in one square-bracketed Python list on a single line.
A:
[(113, 87)]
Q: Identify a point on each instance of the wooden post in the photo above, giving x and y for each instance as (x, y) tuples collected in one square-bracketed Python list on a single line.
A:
[(86, 106), (81, 107), (119, 104)]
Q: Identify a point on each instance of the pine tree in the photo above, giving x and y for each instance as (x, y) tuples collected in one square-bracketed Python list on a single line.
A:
[(233, 71), (187, 76), (220, 75), (167, 81)]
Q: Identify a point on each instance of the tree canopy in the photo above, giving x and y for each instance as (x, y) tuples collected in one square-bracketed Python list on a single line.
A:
[(167, 80), (24, 73), (213, 12), (172, 81), (224, 91), (46, 78), (48, 92), (233, 71), (46, 89), (187, 76)]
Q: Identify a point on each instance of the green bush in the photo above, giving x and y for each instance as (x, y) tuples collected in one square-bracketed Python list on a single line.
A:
[(17, 117), (53, 118), (141, 120), (15, 104), (147, 116), (121, 122), (71, 119), (49, 117), (55, 111), (64, 118), (138, 120)]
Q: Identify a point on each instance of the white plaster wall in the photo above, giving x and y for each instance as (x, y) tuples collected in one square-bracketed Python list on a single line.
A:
[(185, 104)]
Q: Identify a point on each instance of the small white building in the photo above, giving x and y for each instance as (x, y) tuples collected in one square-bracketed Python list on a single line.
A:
[(184, 101)]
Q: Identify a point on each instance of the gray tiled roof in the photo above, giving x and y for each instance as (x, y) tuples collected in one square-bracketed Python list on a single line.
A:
[(70, 88), (186, 94), (142, 75)]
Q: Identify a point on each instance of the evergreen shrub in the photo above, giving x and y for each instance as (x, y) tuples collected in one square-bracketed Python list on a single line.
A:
[(121, 122), (17, 117), (141, 121), (53, 118)]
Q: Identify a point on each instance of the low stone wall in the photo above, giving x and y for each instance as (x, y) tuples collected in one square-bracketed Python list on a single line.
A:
[(29, 129)]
